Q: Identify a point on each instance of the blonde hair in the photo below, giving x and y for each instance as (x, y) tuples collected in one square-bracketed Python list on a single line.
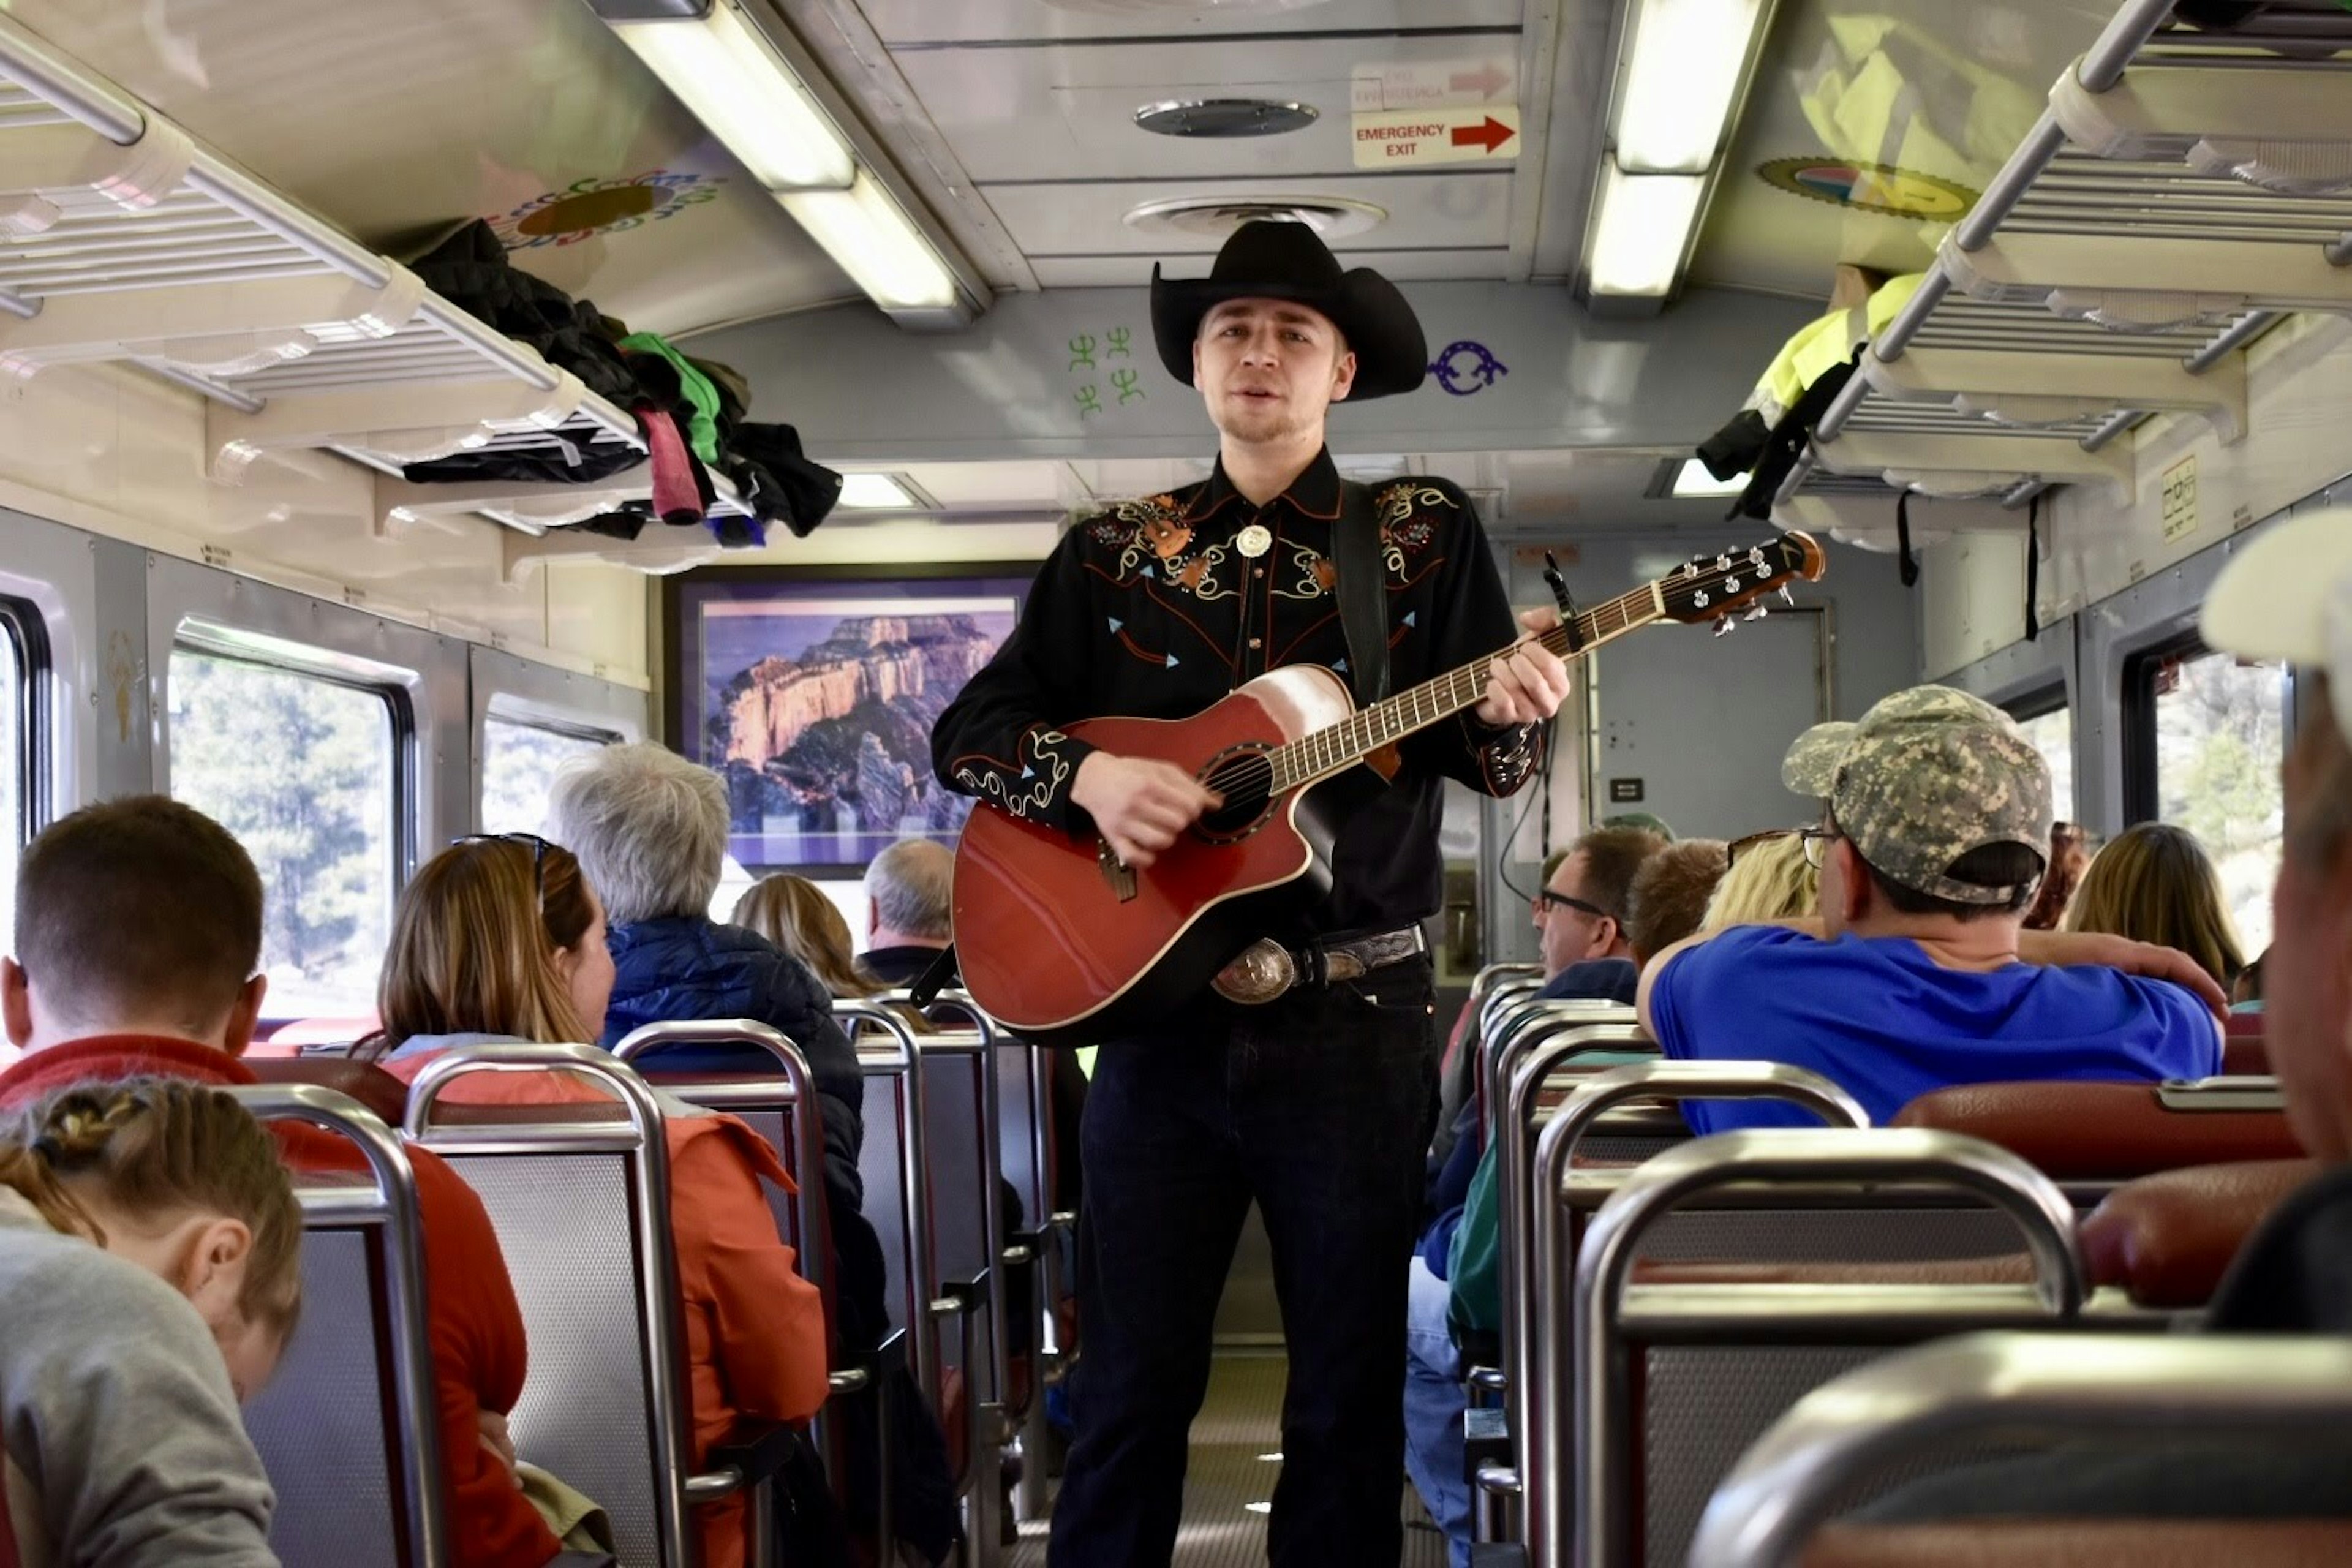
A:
[(472, 947), (794, 914), (2155, 883), (157, 1147), (1770, 881)]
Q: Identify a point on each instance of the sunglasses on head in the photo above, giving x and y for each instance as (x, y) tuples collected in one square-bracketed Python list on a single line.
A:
[(539, 848)]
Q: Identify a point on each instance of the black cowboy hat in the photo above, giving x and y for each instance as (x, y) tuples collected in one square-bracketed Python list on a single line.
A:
[(1285, 260)]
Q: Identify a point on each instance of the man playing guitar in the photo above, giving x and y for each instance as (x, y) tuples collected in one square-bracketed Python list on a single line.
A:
[(1306, 1078)]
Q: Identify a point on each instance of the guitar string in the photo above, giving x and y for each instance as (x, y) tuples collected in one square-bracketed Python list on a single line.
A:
[(1248, 782)]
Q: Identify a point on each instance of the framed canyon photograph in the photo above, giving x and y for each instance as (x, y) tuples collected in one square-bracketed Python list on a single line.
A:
[(813, 689)]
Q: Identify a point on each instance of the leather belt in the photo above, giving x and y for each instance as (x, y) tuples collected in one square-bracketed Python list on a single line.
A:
[(1267, 969)]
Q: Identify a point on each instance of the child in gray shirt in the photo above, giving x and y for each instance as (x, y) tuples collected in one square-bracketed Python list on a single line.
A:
[(149, 1264)]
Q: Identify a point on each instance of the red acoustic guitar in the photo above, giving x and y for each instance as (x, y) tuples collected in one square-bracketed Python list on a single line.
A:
[(1059, 939)]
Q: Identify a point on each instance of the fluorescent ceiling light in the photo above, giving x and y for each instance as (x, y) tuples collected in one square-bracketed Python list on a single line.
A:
[(725, 70), (1695, 480), (874, 491), (1640, 229), (869, 235), (1681, 75)]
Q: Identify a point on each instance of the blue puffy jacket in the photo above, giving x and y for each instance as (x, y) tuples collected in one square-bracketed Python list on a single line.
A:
[(684, 968)]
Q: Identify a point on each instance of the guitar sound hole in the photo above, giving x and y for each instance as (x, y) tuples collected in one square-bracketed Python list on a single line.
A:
[(1244, 776)]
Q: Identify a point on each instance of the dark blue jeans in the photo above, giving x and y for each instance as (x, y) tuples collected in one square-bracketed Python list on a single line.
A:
[(1320, 1107)]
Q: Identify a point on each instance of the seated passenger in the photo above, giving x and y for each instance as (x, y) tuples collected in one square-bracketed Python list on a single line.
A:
[(2246, 991), (150, 1274), (2283, 597), (650, 830), (794, 914), (2070, 856), (1454, 1287), (500, 941), (910, 909), (1580, 916), (138, 935), (2155, 883), (1917, 974), (1766, 878)]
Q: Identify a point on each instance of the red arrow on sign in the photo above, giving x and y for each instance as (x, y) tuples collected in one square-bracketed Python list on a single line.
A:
[(1490, 136), (1487, 80)]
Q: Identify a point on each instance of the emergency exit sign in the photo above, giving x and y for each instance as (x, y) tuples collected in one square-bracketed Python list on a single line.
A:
[(1412, 138)]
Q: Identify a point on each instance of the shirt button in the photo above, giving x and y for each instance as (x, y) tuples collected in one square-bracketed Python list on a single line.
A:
[(1258, 572), (1255, 643)]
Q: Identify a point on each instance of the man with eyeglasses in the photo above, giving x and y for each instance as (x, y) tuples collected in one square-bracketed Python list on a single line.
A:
[(1917, 974), (1580, 915)]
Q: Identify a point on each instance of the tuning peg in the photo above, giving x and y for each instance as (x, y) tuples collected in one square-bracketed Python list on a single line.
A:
[(1759, 610), (1787, 597), (1723, 624)]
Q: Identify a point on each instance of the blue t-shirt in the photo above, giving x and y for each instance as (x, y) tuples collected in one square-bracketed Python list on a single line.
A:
[(1879, 1018)]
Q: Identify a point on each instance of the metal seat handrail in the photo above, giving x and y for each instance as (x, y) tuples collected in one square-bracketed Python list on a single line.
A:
[(1986, 1385), (1540, 1228), (798, 1083), (654, 1248), (392, 1207), (906, 1065), (1613, 1240)]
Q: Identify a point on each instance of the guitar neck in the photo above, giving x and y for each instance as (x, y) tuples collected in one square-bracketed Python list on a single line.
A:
[(1342, 746)]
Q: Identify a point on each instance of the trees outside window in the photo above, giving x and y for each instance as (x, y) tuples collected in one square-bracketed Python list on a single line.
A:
[(2221, 732), (519, 762), (301, 770)]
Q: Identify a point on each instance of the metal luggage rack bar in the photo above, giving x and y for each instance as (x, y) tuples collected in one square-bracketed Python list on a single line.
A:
[(298, 336), (2145, 167)]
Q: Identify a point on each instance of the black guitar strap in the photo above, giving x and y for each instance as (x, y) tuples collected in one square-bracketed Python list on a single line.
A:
[(1363, 593)]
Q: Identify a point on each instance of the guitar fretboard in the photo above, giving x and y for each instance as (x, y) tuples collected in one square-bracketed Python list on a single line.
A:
[(1344, 744)]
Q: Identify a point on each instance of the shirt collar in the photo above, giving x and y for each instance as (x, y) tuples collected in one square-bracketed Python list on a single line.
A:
[(1314, 493), (112, 1056)]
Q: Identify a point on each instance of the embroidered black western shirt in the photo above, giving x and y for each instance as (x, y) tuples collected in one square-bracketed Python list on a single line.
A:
[(1151, 610)]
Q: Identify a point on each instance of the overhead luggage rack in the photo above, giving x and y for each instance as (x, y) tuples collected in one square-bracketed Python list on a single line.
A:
[(123, 239), (2186, 191)]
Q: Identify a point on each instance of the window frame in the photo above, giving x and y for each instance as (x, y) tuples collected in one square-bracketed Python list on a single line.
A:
[(28, 638), (504, 708), (2039, 703), (2136, 712)]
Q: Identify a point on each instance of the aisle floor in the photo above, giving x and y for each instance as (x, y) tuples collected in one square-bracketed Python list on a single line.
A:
[(1234, 1461)]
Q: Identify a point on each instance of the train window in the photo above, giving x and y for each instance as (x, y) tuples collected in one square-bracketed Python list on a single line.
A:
[(2049, 724), (2208, 731), (520, 761), (302, 770)]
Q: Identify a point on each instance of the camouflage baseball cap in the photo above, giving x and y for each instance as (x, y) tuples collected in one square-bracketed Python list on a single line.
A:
[(1810, 767), (1931, 773)]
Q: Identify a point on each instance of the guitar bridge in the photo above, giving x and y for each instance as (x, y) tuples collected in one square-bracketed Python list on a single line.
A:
[(1115, 871)]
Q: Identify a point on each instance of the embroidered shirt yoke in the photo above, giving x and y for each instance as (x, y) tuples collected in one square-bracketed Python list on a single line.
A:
[(1152, 609)]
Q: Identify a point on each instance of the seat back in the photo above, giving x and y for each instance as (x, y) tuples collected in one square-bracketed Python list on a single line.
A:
[(959, 1145), (1944, 1399), (581, 1206), (386, 1096), (1667, 1383), (2115, 1132), (2169, 1240), (777, 1100), (893, 1163), (1539, 1238), (348, 1427)]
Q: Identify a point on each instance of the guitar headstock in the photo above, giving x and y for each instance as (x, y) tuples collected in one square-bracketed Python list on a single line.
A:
[(1710, 587)]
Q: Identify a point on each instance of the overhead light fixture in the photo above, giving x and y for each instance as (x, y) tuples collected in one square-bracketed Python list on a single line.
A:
[(747, 92), (874, 492), (1641, 228), (1681, 74), (870, 237), (1693, 480), (726, 71)]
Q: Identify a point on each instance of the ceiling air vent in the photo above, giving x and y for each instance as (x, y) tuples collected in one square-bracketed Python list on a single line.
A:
[(1224, 117), (1214, 217)]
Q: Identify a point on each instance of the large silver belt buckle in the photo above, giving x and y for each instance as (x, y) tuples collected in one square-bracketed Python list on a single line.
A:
[(1264, 970)]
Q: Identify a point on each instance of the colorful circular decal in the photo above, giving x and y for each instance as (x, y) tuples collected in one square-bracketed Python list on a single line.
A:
[(602, 206), (1870, 187)]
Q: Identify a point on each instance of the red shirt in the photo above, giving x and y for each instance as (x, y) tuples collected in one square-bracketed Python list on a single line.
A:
[(479, 1353)]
